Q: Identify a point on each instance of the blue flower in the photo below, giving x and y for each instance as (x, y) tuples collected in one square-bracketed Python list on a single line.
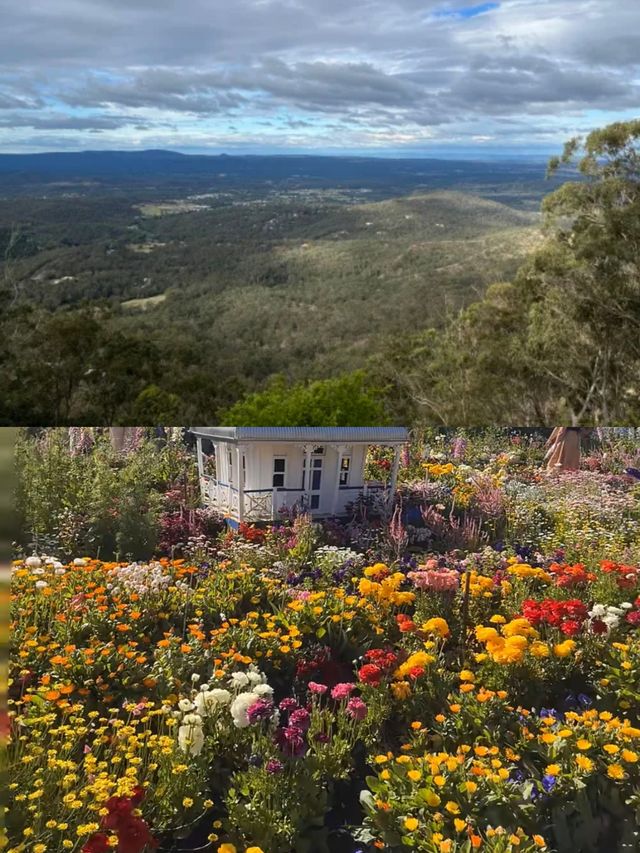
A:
[(548, 783)]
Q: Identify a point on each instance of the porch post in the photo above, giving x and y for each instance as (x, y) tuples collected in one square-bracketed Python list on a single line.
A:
[(240, 483), (340, 448), (201, 479), (308, 449), (394, 475)]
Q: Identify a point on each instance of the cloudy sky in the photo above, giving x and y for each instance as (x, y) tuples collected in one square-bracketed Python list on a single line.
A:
[(378, 76)]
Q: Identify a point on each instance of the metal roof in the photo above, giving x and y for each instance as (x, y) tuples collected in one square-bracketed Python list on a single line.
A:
[(317, 435)]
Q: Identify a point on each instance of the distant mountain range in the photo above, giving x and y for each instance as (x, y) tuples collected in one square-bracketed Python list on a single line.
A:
[(119, 165)]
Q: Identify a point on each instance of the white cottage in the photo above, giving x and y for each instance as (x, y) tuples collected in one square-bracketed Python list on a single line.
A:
[(252, 473)]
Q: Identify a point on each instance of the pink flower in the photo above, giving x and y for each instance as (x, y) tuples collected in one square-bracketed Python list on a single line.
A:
[(314, 687), (356, 708), (342, 690), (442, 580)]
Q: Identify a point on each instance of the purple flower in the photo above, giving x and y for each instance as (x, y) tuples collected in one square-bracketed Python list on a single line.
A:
[(356, 708), (262, 709), (291, 740), (275, 766), (300, 719), (321, 737), (317, 688), (288, 705), (548, 783)]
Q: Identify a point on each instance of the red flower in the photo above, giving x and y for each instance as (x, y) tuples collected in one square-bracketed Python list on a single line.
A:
[(132, 831), (405, 623), (634, 617), (598, 626), (570, 627), (370, 674), (97, 843), (416, 671)]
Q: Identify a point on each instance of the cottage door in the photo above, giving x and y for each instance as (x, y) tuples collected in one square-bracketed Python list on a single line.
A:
[(315, 488)]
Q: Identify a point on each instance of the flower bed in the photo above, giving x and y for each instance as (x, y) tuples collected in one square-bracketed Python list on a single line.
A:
[(273, 692)]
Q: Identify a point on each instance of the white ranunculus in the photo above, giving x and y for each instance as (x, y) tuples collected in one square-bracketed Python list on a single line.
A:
[(255, 676), (191, 739), (263, 690), (598, 610), (58, 565), (79, 562), (33, 562), (185, 705), (60, 571), (192, 720), (239, 680), (208, 701), (41, 584), (626, 605), (239, 708)]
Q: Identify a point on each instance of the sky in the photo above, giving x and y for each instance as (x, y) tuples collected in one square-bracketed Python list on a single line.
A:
[(378, 77)]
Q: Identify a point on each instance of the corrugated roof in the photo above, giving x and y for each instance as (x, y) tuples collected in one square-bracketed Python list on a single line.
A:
[(318, 435)]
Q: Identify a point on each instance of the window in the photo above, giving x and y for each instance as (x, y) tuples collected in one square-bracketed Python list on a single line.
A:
[(345, 466), (279, 471), (230, 461), (315, 501)]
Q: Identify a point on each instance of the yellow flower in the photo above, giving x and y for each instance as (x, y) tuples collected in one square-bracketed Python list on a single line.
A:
[(611, 748), (629, 756), (583, 744), (254, 850), (584, 763), (553, 770), (432, 799), (440, 781), (615, 771), (227, 848), (414, 775), (452, 808), (411, 824), (459, 824), (187, 802), (39, 848), (539, 841), (467, 675), (564, 649), (436, 625)]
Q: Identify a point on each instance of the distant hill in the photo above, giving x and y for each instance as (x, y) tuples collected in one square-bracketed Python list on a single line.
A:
[(136, 166)]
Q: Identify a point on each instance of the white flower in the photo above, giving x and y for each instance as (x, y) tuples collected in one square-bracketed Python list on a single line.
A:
[(37, 571), (626, 605), (58, 565), (33, 562), (598, 610), (239, 680), (239, 708), (41, 584), (263, 690), (79, 562), (192, 720), (191, 739), (207, 702), (185, 705), (195, 677), (60, 571)]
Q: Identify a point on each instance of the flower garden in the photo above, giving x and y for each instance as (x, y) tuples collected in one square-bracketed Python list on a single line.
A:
[(462, 674)]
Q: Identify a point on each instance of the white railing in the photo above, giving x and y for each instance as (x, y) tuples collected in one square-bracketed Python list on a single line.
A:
[(261, 504)]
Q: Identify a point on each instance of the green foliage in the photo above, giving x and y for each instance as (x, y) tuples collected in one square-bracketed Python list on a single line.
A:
[(561, 341), (75, 502), (345, 401)]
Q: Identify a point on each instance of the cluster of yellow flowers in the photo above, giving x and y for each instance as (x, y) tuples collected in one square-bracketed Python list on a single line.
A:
[(386, 591), (517, 638)]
